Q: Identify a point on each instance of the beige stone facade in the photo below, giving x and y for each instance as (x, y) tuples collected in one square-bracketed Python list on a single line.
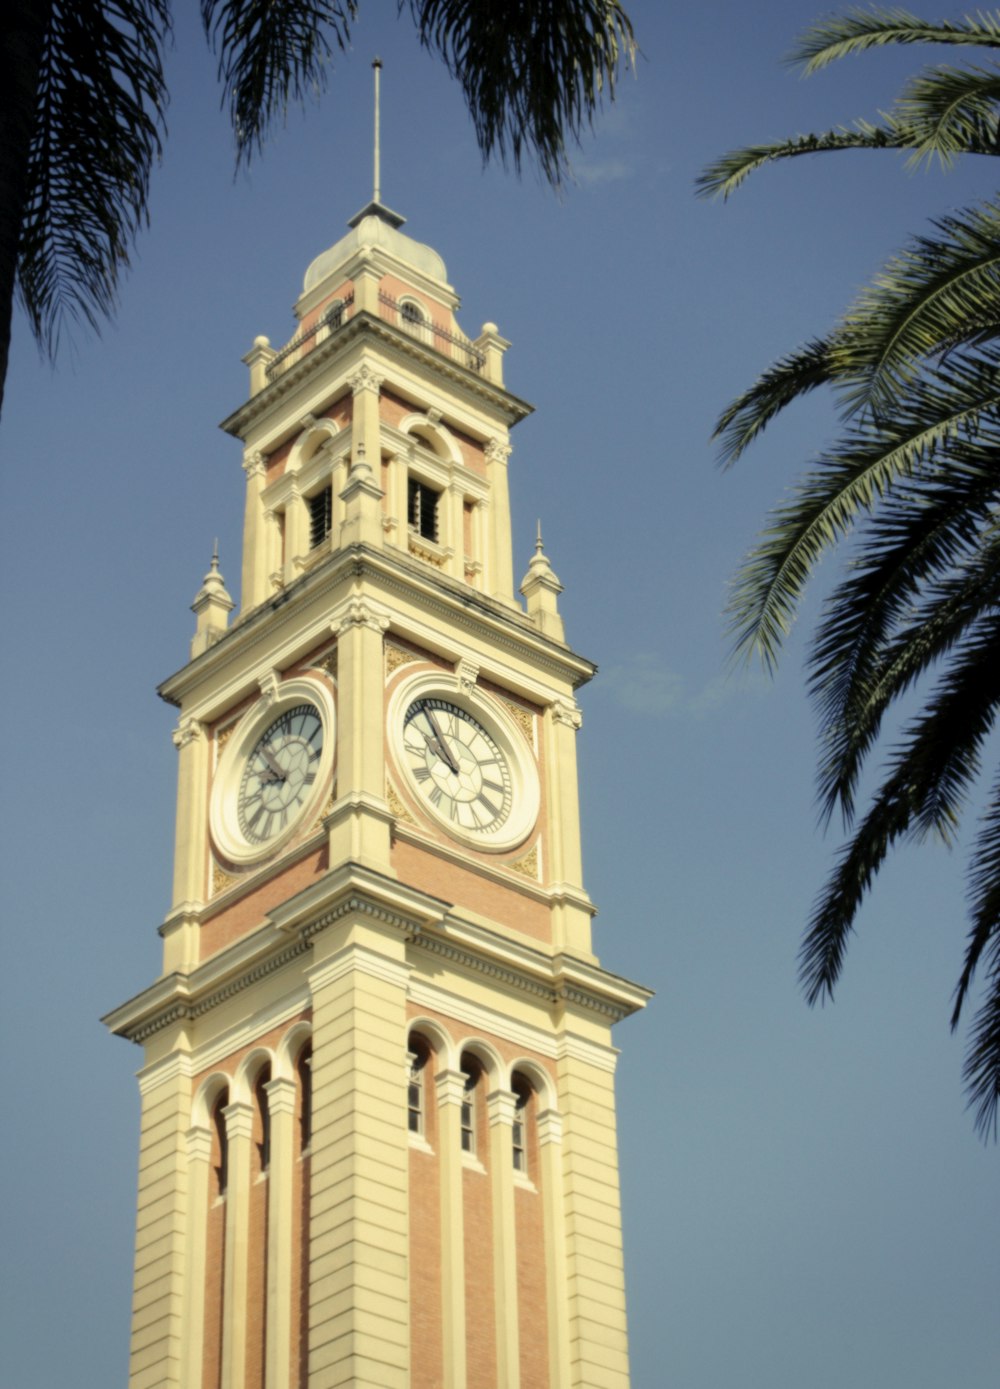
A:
[(378, 1125)]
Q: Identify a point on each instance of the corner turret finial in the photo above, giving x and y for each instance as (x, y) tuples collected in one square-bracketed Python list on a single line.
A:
[(541, 589)]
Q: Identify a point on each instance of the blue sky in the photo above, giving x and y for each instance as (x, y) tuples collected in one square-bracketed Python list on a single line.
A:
[(805, 1200)]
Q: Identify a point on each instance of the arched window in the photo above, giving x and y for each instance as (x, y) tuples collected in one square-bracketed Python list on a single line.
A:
[(522, 1101), (416, 1105), (412, 316), (422, 509), (262, 1119), (303, 1070), (220, 1142), (471, 1070)]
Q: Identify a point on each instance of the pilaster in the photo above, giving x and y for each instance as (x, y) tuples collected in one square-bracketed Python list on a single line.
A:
[(254, 571), (280, 1223), (549, 1127), (500, 1107), (358, 1286), (595, 1283), (199, 1155), (359, 822), (157, 1349), (239, 1134), (192, 813), (571, 914), (450, 1093), (497, 453)]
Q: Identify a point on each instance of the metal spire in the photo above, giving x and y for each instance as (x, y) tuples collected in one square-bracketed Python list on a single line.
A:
[(377, 194)]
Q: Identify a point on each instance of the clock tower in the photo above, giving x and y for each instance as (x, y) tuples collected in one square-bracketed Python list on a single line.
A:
[(378, 1127)]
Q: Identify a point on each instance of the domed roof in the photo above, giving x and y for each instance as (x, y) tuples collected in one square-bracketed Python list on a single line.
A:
[(376, 225)]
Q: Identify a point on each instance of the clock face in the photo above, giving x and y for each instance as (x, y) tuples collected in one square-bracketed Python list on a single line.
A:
[(279, 774), (457, 766)]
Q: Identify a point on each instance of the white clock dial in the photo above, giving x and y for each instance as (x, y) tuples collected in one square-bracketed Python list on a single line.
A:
[(273, 771), (279, 774), (457, 766)]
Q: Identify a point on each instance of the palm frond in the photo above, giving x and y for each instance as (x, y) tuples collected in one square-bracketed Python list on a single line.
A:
[(955, 111), (925, 575), (749, 414), (845, 486), (96, 137), (859, 30), (929, 297), (271, 52), (533, 76), (982, 1066), (923, 790), (724, 176)]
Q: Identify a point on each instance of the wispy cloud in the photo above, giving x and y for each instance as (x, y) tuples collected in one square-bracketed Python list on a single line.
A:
[(592, 172), (645, 685)]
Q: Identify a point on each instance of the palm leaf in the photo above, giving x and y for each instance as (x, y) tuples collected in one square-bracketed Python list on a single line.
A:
[(793, 376), (272, 52), (859, 30), (97, 135), (924, 789), (954, 109), (532, 75), (845, 486), (724, 176)]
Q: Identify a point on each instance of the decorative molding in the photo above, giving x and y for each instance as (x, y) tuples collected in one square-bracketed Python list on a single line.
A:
[(428, 551), (497, 451), (527, 865), (468, 674), (254, 464), (239, 1120), (501, 1106), (281, 1095), (434, 415), (307, 422), (221, 880), (450, 1087), (199, 1143), (524, 720), (327, 663), (327, 810), (188, 730), (269, 684), (223, 736), (176, 1066), (504, 974), (566, 711), (397, 807), (357, 959), (359, 612), (396, 656), (549, 1125)]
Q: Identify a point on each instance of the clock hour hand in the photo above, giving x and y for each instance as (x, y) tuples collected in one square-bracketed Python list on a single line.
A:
[(273, 763), (439, 743)]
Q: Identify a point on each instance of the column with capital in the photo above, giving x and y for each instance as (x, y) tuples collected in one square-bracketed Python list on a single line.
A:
[(501, 554), (572, 909), (239, 1134), (359, 822), (450, 1093), (255, 570), (500, 1109), (180, 930), (280, 1224)]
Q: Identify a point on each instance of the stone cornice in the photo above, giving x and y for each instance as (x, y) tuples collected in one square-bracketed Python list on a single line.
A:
[(395, 342), (456, 605), (427, 923)]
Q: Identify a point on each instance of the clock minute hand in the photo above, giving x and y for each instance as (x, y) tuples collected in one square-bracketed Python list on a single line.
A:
[(442, 746), (273, 762)]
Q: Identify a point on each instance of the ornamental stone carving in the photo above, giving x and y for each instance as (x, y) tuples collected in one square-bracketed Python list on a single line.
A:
[(189, 730), (359, 612), (565, 711), (365, 380), (497, 451), (254, 464)]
